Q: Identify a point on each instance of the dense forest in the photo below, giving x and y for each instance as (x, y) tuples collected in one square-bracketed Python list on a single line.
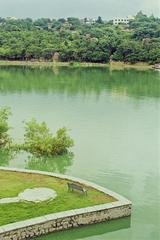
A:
[(72, 39)]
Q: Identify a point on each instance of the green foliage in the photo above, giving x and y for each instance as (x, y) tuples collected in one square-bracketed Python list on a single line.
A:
[(6, 156), (5, 140), (38, 140), (74, 22), (145, 27), (76, 40)]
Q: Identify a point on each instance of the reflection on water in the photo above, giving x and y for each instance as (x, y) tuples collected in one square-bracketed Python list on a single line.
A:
[(80, 80), (58, 164), (51, 164), (93, 230)]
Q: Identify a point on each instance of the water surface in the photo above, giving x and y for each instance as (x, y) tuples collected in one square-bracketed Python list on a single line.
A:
[(114, 121)]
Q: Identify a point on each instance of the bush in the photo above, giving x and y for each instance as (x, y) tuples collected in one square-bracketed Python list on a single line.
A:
[(6, 156), (38, 140), (5, 140)]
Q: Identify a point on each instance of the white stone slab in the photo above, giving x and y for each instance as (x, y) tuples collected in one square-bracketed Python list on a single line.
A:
[(37, 195), (32, 195), (9, 200)]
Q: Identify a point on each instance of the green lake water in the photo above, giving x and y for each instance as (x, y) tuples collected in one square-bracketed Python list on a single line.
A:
[(114, 121)]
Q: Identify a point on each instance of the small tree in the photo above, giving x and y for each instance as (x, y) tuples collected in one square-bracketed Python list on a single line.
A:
[(5, 139), (38, 140), (99, 20)]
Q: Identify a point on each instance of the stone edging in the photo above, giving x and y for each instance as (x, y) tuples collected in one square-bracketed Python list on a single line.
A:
[(67, 219)]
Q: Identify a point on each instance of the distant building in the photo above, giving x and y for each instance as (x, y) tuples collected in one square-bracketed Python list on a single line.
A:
[(125, 20), (50, 25), (88, 21), (11, 18)]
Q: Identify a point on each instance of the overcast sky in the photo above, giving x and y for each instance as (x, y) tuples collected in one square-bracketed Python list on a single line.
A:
[(77, 8)]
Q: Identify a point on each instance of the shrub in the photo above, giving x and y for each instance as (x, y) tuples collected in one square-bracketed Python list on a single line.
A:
[(39, 140), (6, 156), (5, 140)]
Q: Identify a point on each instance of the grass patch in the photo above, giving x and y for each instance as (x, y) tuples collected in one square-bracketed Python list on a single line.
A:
[(12, 183), (50, 64), (122, 65), (114, 65)]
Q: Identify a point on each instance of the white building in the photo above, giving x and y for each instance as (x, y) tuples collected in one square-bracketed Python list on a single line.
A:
[(88, 21), (11, 18), (125, 20)]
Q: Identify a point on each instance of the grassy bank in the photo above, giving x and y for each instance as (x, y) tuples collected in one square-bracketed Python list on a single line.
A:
[(50, 64), (13, 183), (112, 65), (121, 65)]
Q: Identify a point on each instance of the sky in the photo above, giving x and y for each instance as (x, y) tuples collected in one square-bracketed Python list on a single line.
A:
[(108, 9)]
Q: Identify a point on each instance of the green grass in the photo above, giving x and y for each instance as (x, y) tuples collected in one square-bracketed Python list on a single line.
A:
[(50, 64), (113, 65), (12, 183)]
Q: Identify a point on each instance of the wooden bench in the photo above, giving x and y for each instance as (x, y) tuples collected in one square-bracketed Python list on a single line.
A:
[(73, 186)]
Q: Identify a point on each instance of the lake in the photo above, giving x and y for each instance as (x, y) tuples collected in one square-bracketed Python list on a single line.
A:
[(113, 117)]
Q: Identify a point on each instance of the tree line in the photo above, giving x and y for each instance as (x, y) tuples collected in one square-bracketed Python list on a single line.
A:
[(75, 40)]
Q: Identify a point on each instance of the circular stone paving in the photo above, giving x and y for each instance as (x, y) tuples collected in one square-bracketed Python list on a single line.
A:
[(37, 194), (32, 195)]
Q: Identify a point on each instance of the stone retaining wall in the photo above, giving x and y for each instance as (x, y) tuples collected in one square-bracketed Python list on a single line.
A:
[(68, 219)]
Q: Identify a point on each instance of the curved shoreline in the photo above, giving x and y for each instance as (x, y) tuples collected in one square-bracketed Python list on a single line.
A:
[(68, 219)]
